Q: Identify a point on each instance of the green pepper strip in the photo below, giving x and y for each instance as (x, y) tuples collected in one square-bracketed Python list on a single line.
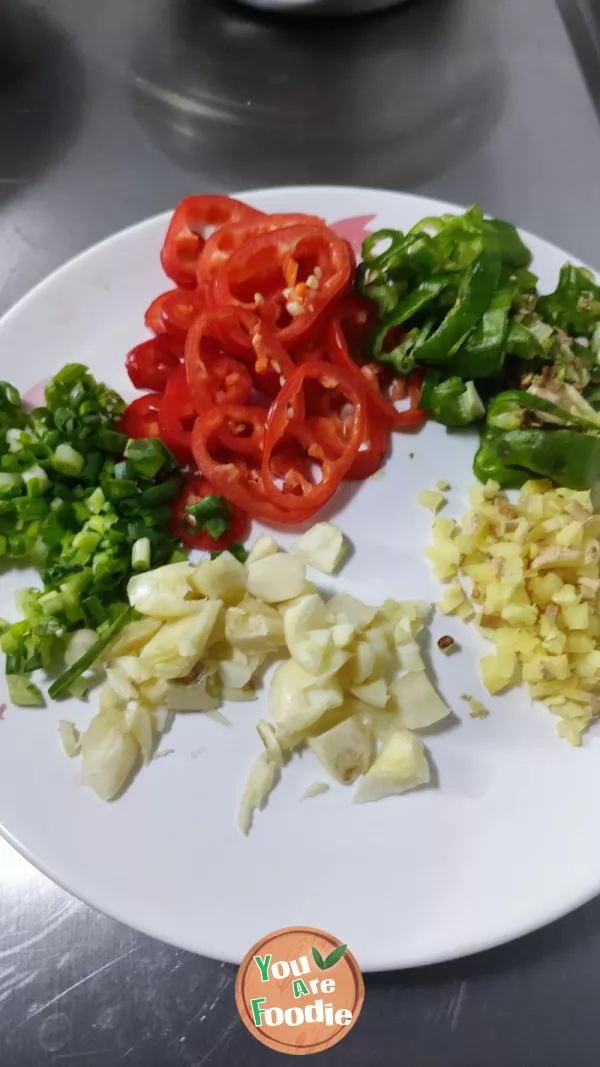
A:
[(512, 250), (453, 402), (369, 253), (574, 306), (569, 458), (475, 292), (483, 353), (410, 305), (380, 289), (415, 255), (508, 411), (401, 357)]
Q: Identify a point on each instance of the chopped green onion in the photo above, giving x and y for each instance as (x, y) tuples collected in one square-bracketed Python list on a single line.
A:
[(140, 554), (216, 527), (212, 514), (36, 480), (16, 439), (11, 485), (51, 602), (66, 460), (29, 508), (96, 501), (63, 684), (23, 692), (86, 521), (93, 611), (147, 456), (159, 494)]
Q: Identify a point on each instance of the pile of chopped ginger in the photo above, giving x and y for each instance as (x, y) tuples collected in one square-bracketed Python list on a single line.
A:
[(532, 586)]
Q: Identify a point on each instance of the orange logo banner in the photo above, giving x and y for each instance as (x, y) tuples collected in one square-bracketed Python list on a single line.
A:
[(299, 990)]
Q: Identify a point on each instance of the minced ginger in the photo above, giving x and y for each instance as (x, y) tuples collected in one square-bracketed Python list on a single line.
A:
[(528, 575)]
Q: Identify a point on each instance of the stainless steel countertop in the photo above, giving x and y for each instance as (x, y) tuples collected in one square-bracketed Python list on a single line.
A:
[(110, 112)]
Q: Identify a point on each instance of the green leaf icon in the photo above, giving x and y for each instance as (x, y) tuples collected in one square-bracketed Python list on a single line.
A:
[(334, 957), (317, 957)]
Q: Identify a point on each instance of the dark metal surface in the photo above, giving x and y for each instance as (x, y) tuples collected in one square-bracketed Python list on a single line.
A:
[(110, 112)]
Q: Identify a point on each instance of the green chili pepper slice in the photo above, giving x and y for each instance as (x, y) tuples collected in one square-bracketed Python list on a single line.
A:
[(568, 458), (410, 305), (475, 292), (483, 353)]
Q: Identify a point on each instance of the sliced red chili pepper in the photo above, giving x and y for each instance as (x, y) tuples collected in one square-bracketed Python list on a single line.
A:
[(357, 317), (406, 419), (179, 309), (237, 478), (292, 465), (185, 237), (195, 489), (245, 437), (283, 425), (298, 270), (376, 379), (176, 416), (415, 389), (273, 366), (228, 238), (153, 318), (331, 432), (150, 364), (214, 377), (140, 418), (371, 453)]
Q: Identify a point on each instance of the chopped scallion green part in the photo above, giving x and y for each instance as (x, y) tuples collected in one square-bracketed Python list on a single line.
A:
[(63, 684), (36, 480), (140, 554), (84, 505), (96, 501), (11, 485), (51, 602), (23, 693), (212, 514), (66, 460), (147, 456)]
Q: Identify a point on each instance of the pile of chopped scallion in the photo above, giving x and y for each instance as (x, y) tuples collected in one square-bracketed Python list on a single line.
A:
[(87, 508)]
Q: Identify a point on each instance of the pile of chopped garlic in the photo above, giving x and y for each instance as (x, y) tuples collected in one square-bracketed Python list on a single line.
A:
[(533, 588), (350, 685)]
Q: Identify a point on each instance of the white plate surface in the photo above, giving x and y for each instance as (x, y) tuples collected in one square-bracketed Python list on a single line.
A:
[(506, 841)]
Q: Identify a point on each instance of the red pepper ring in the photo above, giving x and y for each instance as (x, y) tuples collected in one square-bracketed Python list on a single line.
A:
[(176, 416), (267, 263), (245, 436), (371, 453), (273, 365), (370, 456), (178, 310), (213, 376), (185, 236), (237, 478), (372, 375), (150, 364), (152, 317), (140, 418), (225, 241), (282, 423)]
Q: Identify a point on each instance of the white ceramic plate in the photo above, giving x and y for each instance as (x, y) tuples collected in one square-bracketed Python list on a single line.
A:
[(507, 839)]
